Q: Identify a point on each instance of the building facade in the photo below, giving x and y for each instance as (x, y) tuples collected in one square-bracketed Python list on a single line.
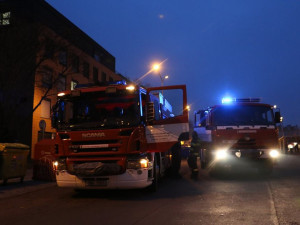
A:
[(43, 54)]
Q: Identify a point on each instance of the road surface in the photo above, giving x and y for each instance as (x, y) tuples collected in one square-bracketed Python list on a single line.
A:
[(237, 197)]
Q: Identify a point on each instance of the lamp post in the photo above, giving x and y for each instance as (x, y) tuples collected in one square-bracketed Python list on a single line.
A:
[(163, 79), (156, 67)]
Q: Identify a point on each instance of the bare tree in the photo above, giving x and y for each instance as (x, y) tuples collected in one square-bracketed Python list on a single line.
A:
[(27, 49)]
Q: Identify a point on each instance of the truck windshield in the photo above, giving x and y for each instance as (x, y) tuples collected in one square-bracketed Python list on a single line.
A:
[(98, 110), (235, 115)]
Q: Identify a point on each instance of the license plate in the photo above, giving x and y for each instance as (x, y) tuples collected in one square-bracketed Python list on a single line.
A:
[(96, 182)]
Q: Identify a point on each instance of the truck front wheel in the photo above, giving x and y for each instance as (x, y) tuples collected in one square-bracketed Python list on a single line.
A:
[(203, 159), (176, 159), (155, 173)]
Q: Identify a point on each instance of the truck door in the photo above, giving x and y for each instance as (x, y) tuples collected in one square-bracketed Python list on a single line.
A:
[(167, 117), (201, 123)]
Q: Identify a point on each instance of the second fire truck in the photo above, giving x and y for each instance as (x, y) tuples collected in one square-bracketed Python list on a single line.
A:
[(238, 132)]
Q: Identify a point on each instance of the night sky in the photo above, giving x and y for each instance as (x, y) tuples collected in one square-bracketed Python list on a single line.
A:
[(240, 48)]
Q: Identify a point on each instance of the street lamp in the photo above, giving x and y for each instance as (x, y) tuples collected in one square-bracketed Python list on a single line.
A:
[(156, 68), (162, 79)]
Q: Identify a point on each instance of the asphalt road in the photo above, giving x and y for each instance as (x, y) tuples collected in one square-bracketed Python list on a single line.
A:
[(237, 197)]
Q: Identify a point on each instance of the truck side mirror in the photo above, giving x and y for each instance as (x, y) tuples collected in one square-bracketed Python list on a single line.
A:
[(150, 112), (277, 117)]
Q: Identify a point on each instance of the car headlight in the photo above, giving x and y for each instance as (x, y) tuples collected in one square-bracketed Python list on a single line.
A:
[(221, 154), (274, 153)]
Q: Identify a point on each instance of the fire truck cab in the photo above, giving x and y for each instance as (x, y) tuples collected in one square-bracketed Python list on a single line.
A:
[(237, 132), (118, 136)]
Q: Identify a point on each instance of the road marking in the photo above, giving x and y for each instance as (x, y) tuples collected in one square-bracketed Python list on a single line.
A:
[(274, 216)]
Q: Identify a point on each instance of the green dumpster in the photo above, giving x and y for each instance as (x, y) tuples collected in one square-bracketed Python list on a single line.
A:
[(13, 161)]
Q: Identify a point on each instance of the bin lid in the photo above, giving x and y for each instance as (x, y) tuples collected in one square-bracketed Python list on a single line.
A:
[(13, 145)]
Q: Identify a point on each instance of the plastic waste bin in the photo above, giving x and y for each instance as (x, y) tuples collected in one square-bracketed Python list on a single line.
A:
[(13, 161)]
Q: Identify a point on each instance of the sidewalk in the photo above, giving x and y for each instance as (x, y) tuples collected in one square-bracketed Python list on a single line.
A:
[(14, 187)]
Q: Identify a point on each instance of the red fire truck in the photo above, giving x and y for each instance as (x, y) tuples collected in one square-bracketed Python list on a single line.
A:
[(237, 132), (118, 136)]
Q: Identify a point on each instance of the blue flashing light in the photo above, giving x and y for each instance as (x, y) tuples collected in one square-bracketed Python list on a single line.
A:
[(119, 82), (227, 100)]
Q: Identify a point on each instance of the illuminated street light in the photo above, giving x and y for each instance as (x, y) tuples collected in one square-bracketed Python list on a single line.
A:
[(156, 68), (162, 79)]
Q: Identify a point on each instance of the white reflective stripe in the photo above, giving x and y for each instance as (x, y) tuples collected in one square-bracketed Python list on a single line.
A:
[(250, 127), (166, 132), (94, 146)]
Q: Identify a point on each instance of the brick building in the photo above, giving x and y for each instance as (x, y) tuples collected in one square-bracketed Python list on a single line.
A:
[(42, 53)]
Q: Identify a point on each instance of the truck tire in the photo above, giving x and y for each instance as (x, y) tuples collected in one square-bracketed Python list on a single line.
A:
[(203, 159), (176, 159), (43, 169), (154, 186), (203, 164)]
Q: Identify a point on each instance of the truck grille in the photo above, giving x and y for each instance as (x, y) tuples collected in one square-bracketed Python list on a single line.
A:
[(88, 169), (94, 142), (78, 150), (94, 146), (244, 143), (250, 153)]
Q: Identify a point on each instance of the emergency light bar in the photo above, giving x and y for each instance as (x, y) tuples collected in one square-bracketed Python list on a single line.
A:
[(229, 100), (248, 100)]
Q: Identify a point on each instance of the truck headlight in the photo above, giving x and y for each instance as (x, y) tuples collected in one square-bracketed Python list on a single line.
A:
[(138, 163), (221, 154), (144, 163), (60, 164), (274, 153), (55, 165)]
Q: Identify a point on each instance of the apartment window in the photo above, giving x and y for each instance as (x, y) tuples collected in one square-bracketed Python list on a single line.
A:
[(62, 57), (103, 77), (47, 77), (73, 84), (75, 64), (86, 69), (61, 83), (111, 79), (97, 57), (45, 108), (5, 18), (95, 75)]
